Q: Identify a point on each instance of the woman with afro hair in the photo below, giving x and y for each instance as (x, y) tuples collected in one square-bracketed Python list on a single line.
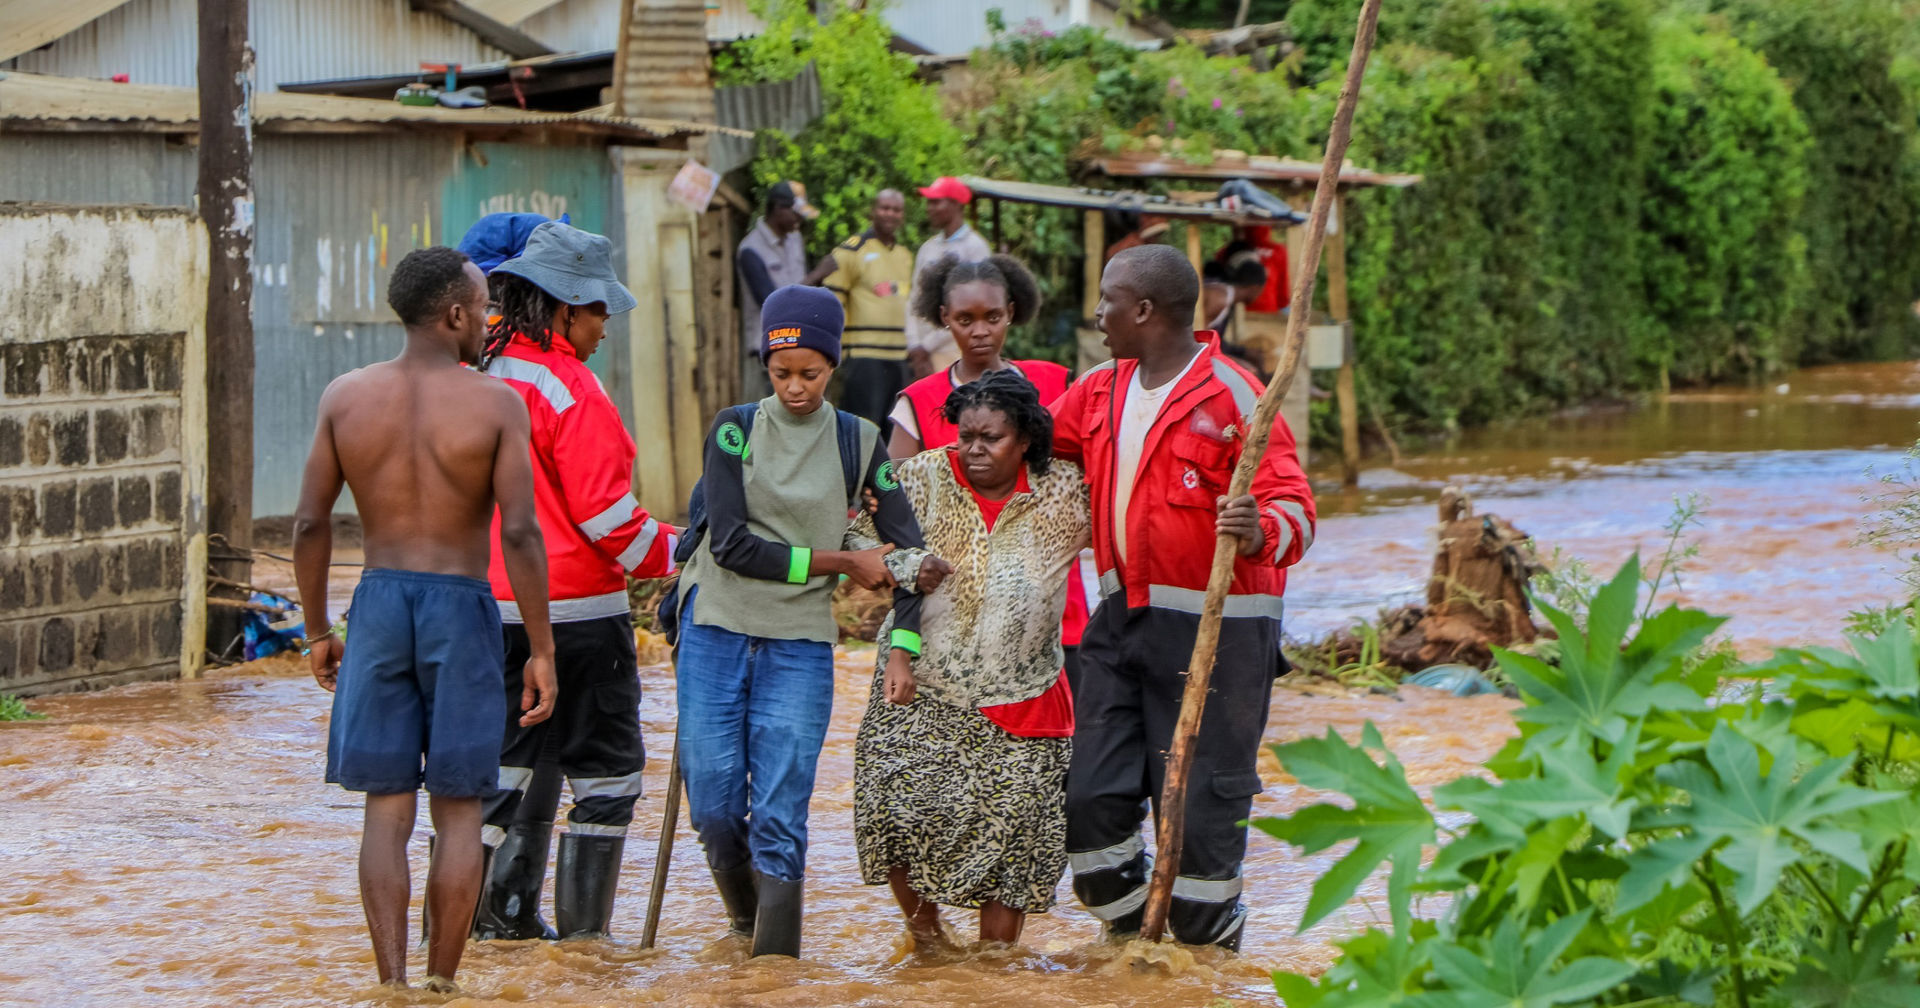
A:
[(960, 764), (977, 302)]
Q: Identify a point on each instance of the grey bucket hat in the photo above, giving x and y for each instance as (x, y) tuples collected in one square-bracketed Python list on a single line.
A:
[(573, 265)]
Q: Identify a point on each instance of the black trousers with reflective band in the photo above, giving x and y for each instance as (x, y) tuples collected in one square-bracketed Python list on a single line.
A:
[(594, 733), (1131, 678)]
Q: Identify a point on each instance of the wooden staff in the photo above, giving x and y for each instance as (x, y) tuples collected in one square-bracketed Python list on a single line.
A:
[(1173, 795), (663, 854)]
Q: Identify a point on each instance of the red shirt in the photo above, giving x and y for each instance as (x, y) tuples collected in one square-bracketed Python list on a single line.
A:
[(928, 398), (595, 532), (1049, 715)]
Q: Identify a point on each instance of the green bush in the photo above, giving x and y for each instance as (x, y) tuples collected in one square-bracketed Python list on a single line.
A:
[(1724, 266), (881, 127), (1650, 837)]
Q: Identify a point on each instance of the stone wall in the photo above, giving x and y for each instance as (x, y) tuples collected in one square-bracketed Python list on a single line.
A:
[(102, 436)]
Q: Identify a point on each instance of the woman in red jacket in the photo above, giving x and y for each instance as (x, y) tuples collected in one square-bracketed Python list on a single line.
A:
[(977, 302)]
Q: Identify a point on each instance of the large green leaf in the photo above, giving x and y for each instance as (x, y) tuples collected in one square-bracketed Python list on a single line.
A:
[(1597, 689), (1517, 970), (1568, 782), (1761, 815), (1837, 976), (1388, 820)]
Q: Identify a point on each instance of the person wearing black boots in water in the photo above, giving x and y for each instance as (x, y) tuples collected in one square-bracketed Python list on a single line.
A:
[(755, 664), (554, 299)]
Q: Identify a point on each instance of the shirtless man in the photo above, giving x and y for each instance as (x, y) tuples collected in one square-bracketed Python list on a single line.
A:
[(428, 448)]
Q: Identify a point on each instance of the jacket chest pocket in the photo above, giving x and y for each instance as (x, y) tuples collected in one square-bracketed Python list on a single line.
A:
[(1203, 468)]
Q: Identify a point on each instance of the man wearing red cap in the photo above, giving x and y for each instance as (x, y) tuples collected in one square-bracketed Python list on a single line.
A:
[(930, 347)]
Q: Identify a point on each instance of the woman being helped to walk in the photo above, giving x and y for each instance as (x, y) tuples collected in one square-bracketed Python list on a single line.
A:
[(977, 302), (961, 763), (755, 668)]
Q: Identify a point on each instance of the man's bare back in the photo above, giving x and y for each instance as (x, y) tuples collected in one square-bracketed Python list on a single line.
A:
[(419, 447), (429, 448)]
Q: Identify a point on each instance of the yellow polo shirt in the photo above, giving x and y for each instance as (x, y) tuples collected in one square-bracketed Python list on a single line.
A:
[(876, 284)]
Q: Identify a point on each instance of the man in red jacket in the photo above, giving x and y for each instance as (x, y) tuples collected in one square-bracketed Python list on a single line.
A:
[(1159, 431), (554, 299)]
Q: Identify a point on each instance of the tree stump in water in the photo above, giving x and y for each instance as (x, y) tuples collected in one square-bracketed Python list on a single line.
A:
[(1476, 595)]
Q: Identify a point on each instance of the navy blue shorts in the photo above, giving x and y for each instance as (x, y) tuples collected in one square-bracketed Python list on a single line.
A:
[(419, 700)]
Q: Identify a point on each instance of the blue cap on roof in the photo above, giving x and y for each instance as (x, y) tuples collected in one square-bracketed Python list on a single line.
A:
[(498, 237)]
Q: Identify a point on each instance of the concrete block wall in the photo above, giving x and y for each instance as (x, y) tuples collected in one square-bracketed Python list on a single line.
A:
[(102, 437)]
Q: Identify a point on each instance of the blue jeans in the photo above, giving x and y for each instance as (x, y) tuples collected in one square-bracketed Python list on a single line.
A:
[(753, 716)]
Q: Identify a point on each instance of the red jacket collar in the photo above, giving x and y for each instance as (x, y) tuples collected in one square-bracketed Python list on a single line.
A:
[(560, 344)]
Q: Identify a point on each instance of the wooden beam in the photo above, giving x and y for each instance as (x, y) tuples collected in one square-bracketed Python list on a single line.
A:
[(1194, 259), (506, 38), (1344, 390), (225, 194), (1095, 228)]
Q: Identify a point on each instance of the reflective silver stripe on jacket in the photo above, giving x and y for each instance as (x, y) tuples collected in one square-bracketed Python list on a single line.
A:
[(602, 525), (544, 381), (1244, 399), (1298, 512), (1187, 600), (1122, 853), (637, 550), (572, 610)]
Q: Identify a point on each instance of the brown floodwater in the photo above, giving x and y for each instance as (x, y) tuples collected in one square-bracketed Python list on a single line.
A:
[(172, 844), (1784, 471)]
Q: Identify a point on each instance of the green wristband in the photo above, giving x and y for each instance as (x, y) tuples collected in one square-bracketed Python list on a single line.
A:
[(800, 560), (905, 640)]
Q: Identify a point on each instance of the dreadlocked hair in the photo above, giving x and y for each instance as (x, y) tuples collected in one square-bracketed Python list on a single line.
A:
[(1011, 395), (1003, 271), (524, 308)]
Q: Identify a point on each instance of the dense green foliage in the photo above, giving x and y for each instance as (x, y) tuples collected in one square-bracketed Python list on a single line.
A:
[(1651, 836), (1616, 194)]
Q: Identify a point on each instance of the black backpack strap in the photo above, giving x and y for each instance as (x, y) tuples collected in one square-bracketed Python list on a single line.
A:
[(696, 531), (851, 464)]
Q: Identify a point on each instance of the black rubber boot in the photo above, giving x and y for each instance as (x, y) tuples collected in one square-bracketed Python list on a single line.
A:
[(585, 877), (737, 894), (776, 920), (510, 902)]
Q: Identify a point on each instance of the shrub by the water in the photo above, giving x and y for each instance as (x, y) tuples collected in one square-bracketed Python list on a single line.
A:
[(1668, 827)]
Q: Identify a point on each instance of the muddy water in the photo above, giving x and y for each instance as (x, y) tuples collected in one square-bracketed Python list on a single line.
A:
[(172, 844), (1784, 468)]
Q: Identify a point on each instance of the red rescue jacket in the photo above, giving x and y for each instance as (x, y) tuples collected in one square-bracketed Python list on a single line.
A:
[(1186, 464), (596, 532)]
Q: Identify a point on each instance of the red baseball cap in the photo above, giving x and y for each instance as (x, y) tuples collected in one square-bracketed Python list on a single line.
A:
[(948, 187)]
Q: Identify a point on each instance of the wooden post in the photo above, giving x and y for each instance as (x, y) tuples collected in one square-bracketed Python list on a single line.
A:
[(225, 196), (1194, 259), (1173, 796), (1343, 387), (1095, 263)]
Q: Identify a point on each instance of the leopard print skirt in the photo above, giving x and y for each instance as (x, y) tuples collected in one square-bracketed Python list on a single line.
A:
[(974, 813)]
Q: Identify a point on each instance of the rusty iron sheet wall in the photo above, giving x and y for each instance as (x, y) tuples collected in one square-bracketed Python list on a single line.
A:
[(334, 213)]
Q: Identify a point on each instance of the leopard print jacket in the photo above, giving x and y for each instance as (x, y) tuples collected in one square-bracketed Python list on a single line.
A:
[(991, 633)]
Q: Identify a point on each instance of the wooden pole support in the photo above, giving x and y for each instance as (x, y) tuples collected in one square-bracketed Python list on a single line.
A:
[(1173, 796), (663, 852)]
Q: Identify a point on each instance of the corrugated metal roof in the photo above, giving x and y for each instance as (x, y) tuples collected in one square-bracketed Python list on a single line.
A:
[(1081, 198), (1258, 168), (156, 41), (36, 101), (666, 67), (576, 25), (30, 24), (788, 106)]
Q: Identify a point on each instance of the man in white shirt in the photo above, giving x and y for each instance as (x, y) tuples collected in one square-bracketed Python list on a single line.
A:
[(930, 347)]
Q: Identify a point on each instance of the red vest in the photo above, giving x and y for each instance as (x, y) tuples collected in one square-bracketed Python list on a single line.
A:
[(928, 397)]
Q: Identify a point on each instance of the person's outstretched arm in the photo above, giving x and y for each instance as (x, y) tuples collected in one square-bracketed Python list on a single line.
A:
[(738, 549)]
